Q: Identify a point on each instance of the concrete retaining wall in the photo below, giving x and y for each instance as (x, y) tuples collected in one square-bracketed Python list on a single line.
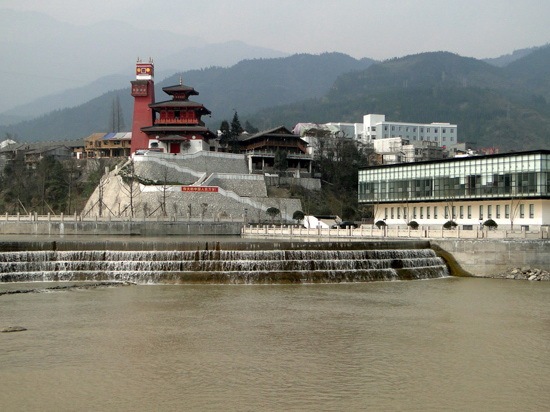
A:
[(489, 257), (150, 228)]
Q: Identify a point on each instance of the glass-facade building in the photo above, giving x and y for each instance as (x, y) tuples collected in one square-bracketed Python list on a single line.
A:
[(492, 181)]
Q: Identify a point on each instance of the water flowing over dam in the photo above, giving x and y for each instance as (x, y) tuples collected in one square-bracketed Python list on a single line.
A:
[(271, 264)]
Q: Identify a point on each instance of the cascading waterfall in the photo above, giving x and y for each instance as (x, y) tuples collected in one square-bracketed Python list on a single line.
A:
[(222, 266)]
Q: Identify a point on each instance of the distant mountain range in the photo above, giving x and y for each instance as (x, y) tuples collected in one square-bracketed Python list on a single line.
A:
[(505, 107), (44, 56), (248, 86)]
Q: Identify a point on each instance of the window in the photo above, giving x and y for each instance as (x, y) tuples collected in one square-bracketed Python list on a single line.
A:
[(405, 209), (446, 212), (428, 212), (414, 212), (461, 212), (489, 211), (507, 211), (498, 212), (391, 212), (399, 213), (421, 212), (435, 212), (453, 212), (522, 210), (531, 211), (385, 213), (481, 212), (443, 130)]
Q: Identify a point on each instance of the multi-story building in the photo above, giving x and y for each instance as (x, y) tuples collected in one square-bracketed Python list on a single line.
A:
[(399, 150), (376, 127), (108, 145), (513, 189)]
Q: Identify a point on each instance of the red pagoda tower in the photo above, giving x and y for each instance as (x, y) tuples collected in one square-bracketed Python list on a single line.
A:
[(143, 91), (177, 122)]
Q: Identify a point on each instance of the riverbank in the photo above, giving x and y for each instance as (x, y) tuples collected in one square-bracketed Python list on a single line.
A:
[(523, 273)]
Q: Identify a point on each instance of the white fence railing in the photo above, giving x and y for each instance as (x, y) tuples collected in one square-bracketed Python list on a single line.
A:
[(34, 217), (395, 232)]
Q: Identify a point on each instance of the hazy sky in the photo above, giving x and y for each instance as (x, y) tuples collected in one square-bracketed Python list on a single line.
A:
[(377, 29)]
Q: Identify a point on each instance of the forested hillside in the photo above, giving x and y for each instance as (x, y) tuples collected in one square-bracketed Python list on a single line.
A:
[(245, 87), (501, 107), (505, 107)]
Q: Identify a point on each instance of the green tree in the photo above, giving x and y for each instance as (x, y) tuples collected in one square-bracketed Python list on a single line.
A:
[(280, 162), (249, 128), (298, 215), (235, 131), (225, 132), (54, 189), (273, 212), (236, 128)]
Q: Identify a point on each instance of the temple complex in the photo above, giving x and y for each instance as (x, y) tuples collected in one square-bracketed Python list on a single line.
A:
[(171, 126)]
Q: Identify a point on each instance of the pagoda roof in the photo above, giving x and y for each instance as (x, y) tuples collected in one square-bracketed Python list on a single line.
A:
[(177, 103), (177, 129), (279, 131), (180, 88), (180, 103)]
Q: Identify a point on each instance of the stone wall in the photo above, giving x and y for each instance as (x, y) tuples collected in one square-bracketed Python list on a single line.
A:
[(491, 257), (69, 229)]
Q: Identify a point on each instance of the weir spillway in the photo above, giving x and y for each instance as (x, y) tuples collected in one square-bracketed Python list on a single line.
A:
[(229, 263)]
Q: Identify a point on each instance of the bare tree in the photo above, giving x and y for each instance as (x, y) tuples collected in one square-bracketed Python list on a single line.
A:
[(204, 207), (130, 186), (514, 208), (164, 188)]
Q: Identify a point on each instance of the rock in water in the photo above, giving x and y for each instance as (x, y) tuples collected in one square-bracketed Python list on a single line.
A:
[(13, 329)]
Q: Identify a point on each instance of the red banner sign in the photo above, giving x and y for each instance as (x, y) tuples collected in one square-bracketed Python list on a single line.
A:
[(199, 188)]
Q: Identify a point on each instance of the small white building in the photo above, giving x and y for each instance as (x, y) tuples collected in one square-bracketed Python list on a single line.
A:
[(399, 150), (320, 222), (375, 127)]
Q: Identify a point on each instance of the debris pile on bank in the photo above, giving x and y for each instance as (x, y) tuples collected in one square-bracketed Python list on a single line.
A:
[(524, 273)]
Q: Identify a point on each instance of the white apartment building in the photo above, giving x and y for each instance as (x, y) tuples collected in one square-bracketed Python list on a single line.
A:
[(376, 127), (347, 130), (399, 150)]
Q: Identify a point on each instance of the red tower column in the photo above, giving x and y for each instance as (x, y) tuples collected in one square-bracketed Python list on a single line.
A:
[(143, 91)]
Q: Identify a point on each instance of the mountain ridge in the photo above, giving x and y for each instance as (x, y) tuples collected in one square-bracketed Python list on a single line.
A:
[(503, 107)]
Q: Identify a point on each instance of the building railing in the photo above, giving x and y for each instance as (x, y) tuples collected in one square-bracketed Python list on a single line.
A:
[(62, 218), (366, 232)]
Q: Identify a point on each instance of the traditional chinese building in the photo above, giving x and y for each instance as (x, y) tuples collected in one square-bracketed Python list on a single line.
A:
[(172, 126), (261, 149)]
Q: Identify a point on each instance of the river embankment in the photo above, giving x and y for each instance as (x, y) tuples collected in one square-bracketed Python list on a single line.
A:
[(498, 258), (523, 273), (495, 258)]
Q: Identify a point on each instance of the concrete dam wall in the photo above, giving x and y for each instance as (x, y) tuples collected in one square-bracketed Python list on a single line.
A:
[(489, 257)]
